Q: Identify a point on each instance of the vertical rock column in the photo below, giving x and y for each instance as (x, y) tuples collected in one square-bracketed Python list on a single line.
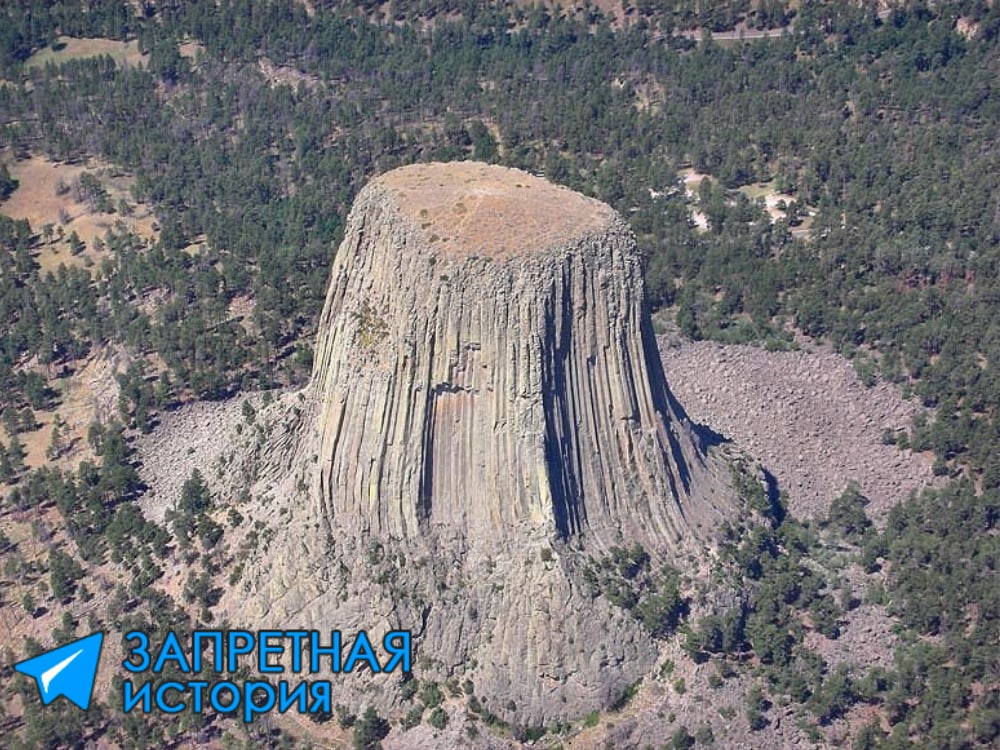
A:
[(485, 365)]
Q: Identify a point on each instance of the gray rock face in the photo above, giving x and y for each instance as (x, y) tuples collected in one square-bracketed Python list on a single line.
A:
[(478, 382), (487, 409)]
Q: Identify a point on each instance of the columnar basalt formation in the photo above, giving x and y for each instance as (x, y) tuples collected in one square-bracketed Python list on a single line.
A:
[(482, 365), (487, 409)]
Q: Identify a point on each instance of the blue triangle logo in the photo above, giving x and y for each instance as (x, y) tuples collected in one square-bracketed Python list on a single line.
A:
[(68, 670)]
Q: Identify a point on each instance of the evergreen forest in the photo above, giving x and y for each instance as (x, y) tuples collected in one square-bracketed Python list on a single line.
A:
[(250, 125)]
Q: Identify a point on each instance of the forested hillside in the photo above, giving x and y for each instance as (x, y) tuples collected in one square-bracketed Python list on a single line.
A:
[(250, 126)]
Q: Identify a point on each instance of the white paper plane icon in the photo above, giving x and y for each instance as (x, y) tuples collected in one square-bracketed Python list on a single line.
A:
[(49, 674), (68, 670)]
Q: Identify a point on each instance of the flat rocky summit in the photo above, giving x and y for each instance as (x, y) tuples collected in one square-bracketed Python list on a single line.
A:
[(474, 209)]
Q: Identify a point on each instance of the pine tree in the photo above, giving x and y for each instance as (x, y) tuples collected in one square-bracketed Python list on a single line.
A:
[(17, 454), (7, 473), (56, 446), (7, 183)]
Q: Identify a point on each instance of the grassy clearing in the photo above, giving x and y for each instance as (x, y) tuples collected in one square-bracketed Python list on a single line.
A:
[(70, 48), (691, 179), (48, 196), (758, 190), (125, 54), (34, 442), (86, 394), (40, 200)]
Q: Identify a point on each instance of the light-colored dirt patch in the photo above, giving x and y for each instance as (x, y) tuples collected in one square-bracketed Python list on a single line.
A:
[(772, 200), (196, 247), (966, 27), (89, 394), (123, 53), (772, 203), (190, 50), (284, 75), (241, 309), (690, 179), (805, 416), (700, 221), (39, 199), (802, 230)]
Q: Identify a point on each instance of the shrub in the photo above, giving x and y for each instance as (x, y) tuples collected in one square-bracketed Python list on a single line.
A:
[(438, 718)]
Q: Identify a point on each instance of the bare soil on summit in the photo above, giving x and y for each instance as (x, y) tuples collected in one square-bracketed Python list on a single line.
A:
[(473, 209)]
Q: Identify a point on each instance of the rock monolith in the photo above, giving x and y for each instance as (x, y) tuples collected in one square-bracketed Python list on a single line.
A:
[(487, 413)]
